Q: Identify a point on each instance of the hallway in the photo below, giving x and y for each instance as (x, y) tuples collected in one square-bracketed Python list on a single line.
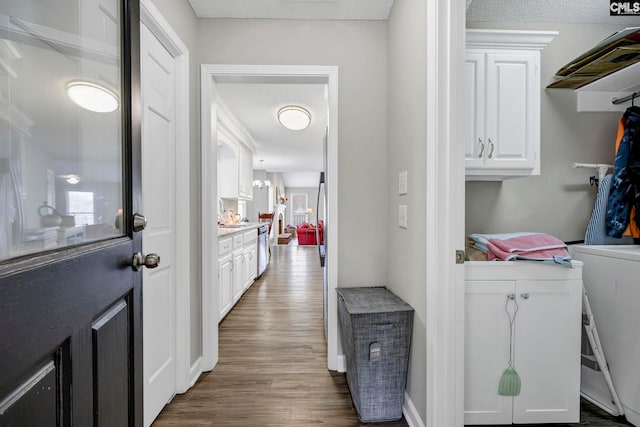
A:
[(272, 368)]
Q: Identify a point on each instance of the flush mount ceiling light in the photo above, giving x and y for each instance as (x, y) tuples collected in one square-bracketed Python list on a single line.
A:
[(92, 96), (71, 178), (294, 117)]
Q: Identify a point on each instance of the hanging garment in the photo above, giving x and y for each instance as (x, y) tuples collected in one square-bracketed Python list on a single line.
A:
[(625, 185), (596, 233), (633, 230)]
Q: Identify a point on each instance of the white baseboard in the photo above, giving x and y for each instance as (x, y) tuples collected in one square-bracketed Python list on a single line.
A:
[(411, 413), (195, 371), (341, 363)]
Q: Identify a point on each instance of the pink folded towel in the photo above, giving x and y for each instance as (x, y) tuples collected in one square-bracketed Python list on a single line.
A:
[(534, 246)]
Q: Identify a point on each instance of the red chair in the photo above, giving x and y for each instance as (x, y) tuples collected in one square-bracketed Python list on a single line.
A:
[(306, 234)]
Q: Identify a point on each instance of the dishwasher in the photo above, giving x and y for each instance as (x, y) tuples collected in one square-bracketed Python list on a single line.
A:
[(263, 249)]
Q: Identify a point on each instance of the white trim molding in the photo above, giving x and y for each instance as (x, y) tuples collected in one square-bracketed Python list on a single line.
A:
[(195, 372), (151, 17), (210, 75), (510, 39), (410, 412), (445, 214)]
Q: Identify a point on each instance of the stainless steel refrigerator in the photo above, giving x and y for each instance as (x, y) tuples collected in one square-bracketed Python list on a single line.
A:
[(321, 238)]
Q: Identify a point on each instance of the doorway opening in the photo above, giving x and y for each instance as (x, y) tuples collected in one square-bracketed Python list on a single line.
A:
[(211, 77)]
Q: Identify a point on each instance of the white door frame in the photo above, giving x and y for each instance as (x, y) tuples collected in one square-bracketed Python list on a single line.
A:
[(210, 74), (186, 374), (445, 213)]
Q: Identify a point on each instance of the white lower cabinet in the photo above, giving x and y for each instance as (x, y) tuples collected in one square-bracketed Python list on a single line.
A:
[(238, 274), (237, 267), (225, 280), (250, 265), (546, 343)]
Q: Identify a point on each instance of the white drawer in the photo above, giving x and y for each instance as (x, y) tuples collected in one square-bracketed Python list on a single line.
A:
[(225, 246), (237, 241), (250, 236)]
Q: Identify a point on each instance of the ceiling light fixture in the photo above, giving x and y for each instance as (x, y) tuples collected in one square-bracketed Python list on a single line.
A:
[(92, 96), (73, 178), (294, 117), (260, 183)]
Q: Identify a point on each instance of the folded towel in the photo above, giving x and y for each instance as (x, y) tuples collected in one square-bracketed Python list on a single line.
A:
[(529, 243), (532, 247), (480, 241)]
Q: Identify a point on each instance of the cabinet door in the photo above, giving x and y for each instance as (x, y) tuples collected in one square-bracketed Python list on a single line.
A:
[(474, 93), (250, 265), (227, 169), (547, 351), (238, 275), (246, 174), (486, 351), (225, 268), (512, 121)]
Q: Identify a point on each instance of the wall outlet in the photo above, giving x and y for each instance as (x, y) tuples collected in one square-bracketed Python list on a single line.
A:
[(402, 182), (402, 216)]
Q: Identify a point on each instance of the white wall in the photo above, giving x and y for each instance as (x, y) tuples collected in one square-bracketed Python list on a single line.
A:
[(560, 200), (406, 151), (184, 22), (359, 50)]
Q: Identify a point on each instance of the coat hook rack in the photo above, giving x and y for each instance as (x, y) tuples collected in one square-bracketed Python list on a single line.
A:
[(631, 98)]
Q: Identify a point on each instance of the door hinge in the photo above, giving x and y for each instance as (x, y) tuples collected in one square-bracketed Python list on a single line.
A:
[(460, 256)]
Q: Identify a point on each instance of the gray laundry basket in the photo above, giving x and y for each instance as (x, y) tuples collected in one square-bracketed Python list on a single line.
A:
[(376, 337)]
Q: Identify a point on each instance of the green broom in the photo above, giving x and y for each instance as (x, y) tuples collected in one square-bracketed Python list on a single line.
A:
[(510, 380)]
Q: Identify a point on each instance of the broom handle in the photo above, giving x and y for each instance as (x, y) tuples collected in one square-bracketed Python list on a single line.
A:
[(512, 320)]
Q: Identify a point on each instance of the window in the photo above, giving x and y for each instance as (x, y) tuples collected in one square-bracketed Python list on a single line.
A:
[(299, 204), (80, 205), (242, 208)]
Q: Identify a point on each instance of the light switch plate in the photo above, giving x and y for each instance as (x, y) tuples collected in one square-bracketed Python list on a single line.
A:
[(402, 216), (402, 182)]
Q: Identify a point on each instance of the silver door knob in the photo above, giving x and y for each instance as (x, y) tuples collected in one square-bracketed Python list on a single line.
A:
[(139, 222), (140, 260)]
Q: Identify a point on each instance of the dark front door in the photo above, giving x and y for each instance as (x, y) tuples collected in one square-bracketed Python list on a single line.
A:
[(70, 302)]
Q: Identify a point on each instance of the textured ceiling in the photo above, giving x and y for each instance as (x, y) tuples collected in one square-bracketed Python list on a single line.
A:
[(540, 11), (293, 9)]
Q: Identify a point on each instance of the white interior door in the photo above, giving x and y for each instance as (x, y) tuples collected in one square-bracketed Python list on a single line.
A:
[(158, 201)]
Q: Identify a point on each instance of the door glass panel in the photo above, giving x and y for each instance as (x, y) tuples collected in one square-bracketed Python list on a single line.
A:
[(60, 124)]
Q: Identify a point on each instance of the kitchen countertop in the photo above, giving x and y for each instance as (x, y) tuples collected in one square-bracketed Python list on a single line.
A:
[(246, 226)]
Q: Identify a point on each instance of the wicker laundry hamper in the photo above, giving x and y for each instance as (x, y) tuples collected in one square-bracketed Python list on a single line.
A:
[(376, 337)]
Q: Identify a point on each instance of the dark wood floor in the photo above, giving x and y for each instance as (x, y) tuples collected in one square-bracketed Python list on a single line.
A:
[(272, 368)]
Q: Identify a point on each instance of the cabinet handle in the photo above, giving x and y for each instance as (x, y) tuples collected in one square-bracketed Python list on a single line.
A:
[(492, 147), (511, 296), (525, 295), (481, 147)]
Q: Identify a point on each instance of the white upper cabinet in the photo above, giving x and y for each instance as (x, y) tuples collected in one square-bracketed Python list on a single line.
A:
[(245, 175), (235, 156), (502, 103)]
